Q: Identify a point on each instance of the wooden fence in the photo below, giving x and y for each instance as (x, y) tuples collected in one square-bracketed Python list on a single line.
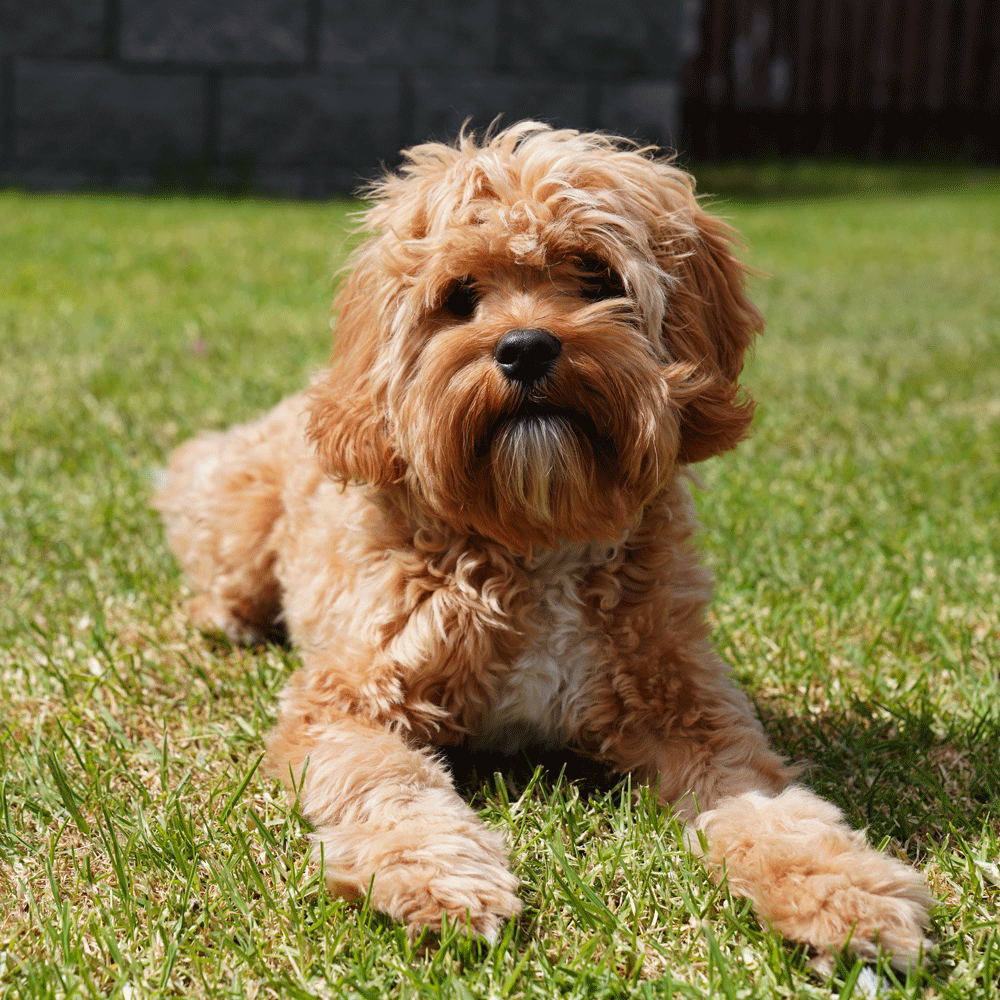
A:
[(887, 78)]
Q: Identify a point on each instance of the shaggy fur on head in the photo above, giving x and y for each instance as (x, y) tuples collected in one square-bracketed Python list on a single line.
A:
[(476, 529)]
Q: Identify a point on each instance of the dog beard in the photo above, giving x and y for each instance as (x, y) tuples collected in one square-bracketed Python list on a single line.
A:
[(547, 481), (536, 462)]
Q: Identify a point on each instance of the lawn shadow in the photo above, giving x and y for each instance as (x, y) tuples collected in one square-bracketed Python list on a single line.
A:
[(273, 635), (474, 770), (904, 771)]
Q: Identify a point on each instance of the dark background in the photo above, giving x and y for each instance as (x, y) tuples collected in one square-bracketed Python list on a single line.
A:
[(889, 79), (306, 97)]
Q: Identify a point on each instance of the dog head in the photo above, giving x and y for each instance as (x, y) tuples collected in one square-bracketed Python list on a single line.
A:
[(539, 328)]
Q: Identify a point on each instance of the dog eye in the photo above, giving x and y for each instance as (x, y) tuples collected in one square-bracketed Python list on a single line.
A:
[(600, 280), (461, 300)]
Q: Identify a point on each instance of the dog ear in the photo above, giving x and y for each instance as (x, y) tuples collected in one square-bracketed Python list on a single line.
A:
[(349, 422), (709, 326)]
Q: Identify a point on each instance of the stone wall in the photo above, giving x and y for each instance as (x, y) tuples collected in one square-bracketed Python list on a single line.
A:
[(306, 97)]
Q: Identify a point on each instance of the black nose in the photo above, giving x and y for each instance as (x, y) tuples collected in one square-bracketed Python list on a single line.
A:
[(526, 355)]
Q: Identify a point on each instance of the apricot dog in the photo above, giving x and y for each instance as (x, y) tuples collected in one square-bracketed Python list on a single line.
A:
[(476, 529)]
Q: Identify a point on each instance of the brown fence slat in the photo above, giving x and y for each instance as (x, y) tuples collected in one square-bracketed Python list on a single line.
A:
[(937, 53), (966, 55), (889, 77)]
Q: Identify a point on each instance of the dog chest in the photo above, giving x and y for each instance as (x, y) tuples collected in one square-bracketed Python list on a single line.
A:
[(540, 697)]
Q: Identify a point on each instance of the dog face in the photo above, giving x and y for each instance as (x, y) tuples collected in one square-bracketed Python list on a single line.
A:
[(538, 330)]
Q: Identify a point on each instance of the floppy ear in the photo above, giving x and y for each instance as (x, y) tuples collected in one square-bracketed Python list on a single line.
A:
[(709, 326), (348, 415)]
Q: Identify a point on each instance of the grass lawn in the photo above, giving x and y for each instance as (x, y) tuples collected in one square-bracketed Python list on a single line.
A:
[(855, 539)]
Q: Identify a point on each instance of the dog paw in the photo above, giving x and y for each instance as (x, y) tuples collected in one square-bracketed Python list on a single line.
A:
[(422, 874), (814, 879)]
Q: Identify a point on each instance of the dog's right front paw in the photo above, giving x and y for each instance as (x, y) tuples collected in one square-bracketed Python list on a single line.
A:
[(421, 872)]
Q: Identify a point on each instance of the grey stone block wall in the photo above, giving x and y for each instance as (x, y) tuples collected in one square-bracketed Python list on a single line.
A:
[(308, 97)]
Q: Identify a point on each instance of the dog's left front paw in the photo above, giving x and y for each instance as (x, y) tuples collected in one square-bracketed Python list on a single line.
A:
[(814, 879)]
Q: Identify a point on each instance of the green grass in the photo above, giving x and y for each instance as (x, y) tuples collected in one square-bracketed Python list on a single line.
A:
[(854, 538), (784, 180)]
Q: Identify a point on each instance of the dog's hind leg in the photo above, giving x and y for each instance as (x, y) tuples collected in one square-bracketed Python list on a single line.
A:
[(221, 499), (389, 822)]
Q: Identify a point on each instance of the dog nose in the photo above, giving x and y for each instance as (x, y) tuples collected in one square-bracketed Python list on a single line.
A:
[(526, 355)]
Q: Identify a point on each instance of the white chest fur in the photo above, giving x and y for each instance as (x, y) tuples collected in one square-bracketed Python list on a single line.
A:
[(538, 701)]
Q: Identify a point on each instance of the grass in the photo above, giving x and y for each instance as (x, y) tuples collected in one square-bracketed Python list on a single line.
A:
[(785, 180), (854, 538)]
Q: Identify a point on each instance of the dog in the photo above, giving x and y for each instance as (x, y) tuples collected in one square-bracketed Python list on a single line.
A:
[(476, 527)]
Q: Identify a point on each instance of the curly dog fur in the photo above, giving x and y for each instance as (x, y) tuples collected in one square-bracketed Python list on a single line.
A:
[(476, 528)]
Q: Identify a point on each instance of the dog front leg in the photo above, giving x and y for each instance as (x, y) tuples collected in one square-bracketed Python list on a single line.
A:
[(388, 820), (806, 872)]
